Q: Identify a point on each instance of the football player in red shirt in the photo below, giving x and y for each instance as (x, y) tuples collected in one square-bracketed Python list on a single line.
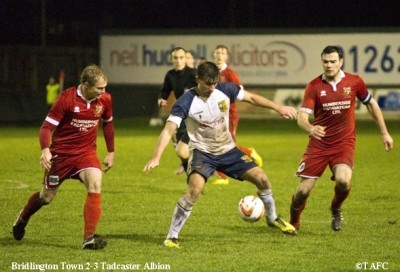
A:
[(331, 97), (68, 143)]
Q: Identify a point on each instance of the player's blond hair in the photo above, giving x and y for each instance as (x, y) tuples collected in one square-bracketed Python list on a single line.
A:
[(91, 74)]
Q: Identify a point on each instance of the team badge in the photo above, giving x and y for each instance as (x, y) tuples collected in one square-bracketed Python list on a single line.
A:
[(301, 167), (346, 91), (323, 93), (246, 158), (98, 110), (222, 106), (76, 109)]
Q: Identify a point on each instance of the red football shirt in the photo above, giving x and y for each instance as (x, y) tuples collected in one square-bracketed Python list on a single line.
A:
[(76, 121), (334, 108), (228, 75)]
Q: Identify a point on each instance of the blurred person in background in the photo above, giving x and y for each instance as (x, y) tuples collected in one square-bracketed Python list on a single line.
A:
[(52, 91), (189, 59), (179, 80), (331, 98)]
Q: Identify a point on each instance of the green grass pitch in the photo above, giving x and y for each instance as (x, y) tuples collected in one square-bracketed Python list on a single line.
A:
[(137, 209)]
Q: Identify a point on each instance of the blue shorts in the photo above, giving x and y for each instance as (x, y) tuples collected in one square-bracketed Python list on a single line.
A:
[(234, 163)]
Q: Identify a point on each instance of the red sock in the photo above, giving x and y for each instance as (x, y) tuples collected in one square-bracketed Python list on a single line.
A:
[(339, 197), (33, 205), (91, 213), (221, 175), (296, 208), (245, 150)]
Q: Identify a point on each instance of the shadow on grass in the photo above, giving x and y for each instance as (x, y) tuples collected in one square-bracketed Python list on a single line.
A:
[(150, 239), (11, 242)]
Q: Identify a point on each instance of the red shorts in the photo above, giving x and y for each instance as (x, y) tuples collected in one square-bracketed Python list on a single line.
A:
[(313, 164), (68, 167)]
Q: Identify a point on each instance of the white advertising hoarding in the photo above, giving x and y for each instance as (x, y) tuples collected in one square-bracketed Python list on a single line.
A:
[(268, 59)]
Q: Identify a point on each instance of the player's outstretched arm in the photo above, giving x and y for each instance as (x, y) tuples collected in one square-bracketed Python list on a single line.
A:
[(376, 113), (318, 132), (260, 101), (163, 140)]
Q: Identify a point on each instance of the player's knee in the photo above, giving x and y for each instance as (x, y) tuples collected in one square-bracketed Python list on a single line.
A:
[(302, 194), (261, 180), (343, 184)]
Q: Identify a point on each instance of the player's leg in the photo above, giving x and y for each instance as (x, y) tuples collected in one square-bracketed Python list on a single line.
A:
[(183, 208), (200, 167), (311, 167), (342, 178), (36, 201), (182, 150), (299, 200), (92, 178), (260, 179)]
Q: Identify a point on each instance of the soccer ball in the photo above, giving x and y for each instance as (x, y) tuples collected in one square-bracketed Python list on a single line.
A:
[(251, 208)]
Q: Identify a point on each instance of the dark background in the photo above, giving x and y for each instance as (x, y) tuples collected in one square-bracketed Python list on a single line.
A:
[(40, 38), (78, 23)]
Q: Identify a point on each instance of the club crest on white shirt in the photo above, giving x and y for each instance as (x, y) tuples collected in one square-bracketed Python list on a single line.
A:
[(222, 106)]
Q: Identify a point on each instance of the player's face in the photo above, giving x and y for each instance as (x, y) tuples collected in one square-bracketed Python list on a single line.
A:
[(189, 59), (92, 92), (205, 87), (332, 65), (220, 56), (178, 59)]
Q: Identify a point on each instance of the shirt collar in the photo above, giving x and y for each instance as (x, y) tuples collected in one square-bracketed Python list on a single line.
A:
[(223, 67), (342, 75)]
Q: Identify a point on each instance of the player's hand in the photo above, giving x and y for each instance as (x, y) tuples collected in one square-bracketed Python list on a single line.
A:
[(162, 102), (108, 162), (288, 112), (151, 164), (387, 141), (318, 132), (46, 159)]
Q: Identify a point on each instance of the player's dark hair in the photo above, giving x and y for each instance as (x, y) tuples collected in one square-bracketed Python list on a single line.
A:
[(208, 71), (223, 47), (332, 49)]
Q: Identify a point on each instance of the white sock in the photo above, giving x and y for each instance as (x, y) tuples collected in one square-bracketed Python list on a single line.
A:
[(182, 211), (269, 203)]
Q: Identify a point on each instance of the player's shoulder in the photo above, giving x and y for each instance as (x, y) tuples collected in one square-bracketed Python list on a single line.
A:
[(190, 71), (225, 86), (69, 92), (106, 95), (353, 77)]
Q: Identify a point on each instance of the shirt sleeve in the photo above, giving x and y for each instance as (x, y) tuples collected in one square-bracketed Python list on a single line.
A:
[(309, 99), (166, 88)]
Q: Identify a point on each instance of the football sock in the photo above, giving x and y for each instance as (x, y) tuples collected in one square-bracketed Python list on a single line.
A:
[(296, 208), (221, 175), (339, 197), (33, 205), (181, 213), (269, 203), (91, 213), (245, 150)]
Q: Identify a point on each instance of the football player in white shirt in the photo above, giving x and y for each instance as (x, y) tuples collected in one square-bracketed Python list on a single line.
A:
[(205, 110)]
